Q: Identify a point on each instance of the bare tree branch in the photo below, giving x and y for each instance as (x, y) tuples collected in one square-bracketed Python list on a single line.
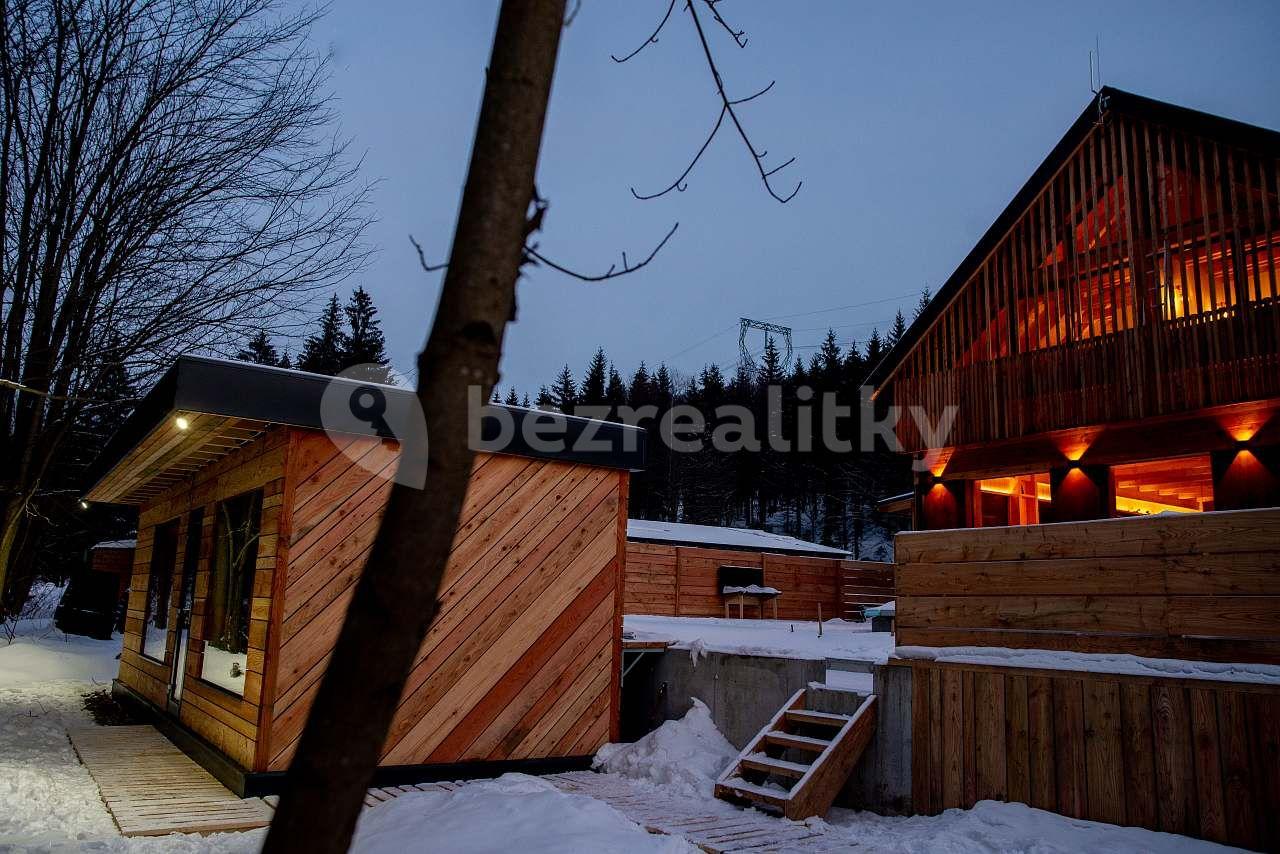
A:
[(757, 156), (422, 258), (573, 13), (739, 36), (653, 39), (727, 105), (533, 256), (531, 251)]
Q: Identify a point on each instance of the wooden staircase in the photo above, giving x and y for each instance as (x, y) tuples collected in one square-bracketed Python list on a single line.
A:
[(800, 760)]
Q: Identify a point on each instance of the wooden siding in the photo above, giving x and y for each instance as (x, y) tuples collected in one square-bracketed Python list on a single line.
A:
[(1141, 281), (523, 659), (681, 581), (865, 584), (226, 721), (1201, 586), (1191, 757)]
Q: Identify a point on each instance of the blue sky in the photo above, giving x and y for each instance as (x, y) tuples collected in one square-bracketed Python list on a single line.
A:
[(912, 126)]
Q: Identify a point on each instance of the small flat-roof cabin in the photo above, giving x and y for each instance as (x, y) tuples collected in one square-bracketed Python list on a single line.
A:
[(1112, 344), (254, 524)]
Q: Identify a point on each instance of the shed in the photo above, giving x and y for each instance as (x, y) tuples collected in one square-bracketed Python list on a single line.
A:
[(254, 524), (677, 569)]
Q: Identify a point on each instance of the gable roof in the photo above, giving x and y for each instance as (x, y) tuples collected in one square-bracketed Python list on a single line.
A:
[(1108, 100)]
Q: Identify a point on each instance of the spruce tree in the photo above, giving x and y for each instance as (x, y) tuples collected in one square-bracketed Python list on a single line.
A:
[(641, 390), (875, 349), (259, 350), (545, 400), (512, 398), (592, 392), (325, 349), (923, 303), (365, 344), (897, 331), (564, 391), (615, 393), (286, 361), (526, 403)]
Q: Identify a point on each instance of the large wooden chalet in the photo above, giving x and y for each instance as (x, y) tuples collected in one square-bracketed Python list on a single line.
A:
[(1112, 343)]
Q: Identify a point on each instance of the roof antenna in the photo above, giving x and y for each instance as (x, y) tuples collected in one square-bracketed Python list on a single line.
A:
[(1095, 66), (1095, 76)]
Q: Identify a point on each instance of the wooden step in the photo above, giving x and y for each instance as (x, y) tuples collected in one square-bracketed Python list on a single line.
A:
[(799, 742), (815, 784), (804, 716), (774, 766), (739, 788)]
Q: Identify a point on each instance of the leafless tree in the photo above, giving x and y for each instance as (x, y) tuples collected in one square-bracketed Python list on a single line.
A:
[(394, 601), (169, 180)]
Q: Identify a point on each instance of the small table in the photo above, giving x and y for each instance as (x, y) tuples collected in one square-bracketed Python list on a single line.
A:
[(754, 591)]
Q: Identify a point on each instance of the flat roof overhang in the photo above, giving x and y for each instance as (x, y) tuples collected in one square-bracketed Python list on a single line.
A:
[(227, 404)]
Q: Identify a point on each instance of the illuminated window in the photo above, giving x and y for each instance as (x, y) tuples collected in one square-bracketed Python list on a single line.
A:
[(1177, 485), (1012, 500)]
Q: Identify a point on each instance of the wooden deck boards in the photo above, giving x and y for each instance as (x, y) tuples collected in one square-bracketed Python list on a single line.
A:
[(152, 788)]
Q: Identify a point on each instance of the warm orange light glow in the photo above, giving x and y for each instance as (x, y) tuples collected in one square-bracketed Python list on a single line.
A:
[(1146, 508), (936, 459), (1074, 446), (1008, 485)]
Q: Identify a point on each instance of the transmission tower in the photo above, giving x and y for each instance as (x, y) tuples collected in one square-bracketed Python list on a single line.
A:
[(745, 360)]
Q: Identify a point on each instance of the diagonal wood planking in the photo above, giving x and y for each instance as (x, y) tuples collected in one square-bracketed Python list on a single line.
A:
[(519, 662)]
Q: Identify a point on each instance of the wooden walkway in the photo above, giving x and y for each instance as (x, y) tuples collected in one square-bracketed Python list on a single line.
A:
[(713, 826), (152, 788)]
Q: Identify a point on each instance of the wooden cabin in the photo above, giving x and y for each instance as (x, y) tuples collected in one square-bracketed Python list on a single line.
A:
[(253, 526), (1111, 346), (681, 570)]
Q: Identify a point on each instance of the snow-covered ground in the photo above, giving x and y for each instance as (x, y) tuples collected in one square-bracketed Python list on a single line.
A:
[(777, 638), (1091, 662), (690, 753), (49, 803)]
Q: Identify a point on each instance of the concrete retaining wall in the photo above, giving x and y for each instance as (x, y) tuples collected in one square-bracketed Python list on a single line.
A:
[(745, 691)]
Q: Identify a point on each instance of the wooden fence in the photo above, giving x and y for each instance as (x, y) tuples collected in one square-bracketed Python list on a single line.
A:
[(681, 581), (865, 583), (1201, 586), (1192, 757)]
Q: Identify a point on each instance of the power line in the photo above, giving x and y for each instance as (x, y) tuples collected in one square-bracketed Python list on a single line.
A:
[(840, 307)]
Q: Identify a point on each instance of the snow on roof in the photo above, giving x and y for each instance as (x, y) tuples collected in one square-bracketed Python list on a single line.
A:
[(117, 544), (710, 535)]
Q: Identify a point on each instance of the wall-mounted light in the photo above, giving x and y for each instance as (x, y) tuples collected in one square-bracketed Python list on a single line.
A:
[(181, 422), (84, 505)]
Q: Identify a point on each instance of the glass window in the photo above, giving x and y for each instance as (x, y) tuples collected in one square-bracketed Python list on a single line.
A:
[(1011, 500), (1177, 485), (164, 554), (235, 556)]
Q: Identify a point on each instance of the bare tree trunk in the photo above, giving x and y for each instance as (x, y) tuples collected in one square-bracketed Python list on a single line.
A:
[(395, 599)]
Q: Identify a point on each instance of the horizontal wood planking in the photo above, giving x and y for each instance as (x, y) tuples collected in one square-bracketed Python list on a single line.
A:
[(1203, 586), (681, 581), (865, 584), (228, 722), (1177, 755), (518, 662)]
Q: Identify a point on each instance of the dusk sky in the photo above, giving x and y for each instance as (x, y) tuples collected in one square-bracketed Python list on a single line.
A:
[(912, 126)]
